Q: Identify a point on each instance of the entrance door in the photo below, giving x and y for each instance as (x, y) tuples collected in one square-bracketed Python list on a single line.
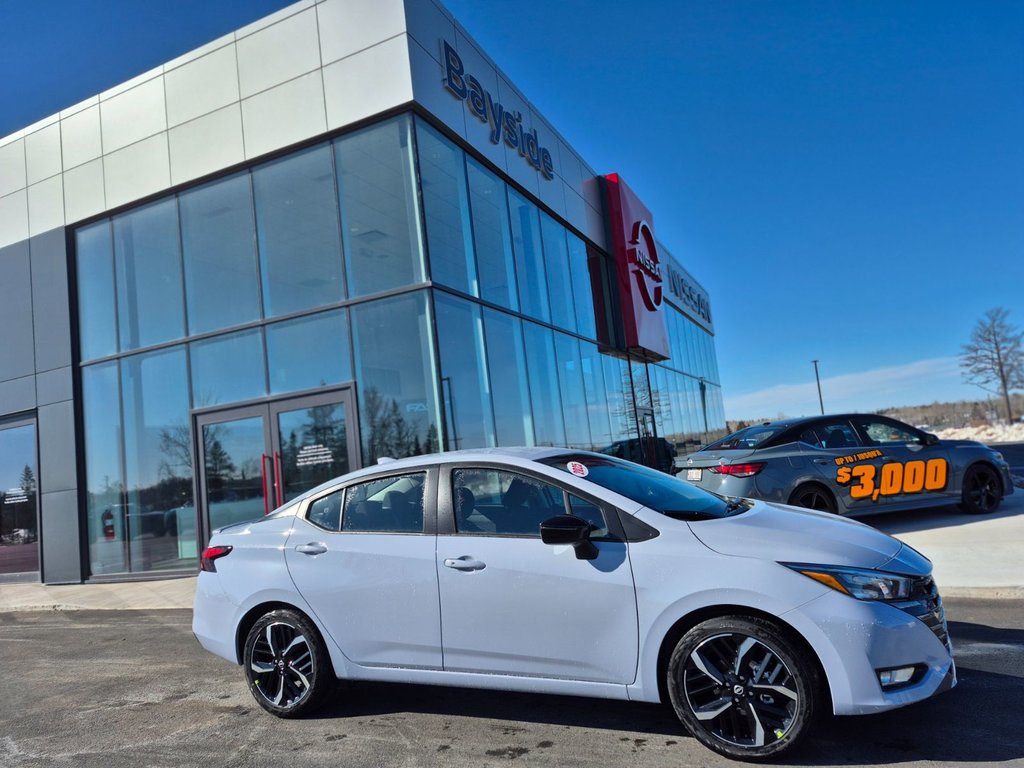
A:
[(19, 510), (254, 458)]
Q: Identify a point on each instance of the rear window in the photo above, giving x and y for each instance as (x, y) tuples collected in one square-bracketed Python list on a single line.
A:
[(655, 490), (751, 437)]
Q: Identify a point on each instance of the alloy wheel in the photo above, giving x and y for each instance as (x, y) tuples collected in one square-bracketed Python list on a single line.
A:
[(983, 490), (282, 665), (741, 690)]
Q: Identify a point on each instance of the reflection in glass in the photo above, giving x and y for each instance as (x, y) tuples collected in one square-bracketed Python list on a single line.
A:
[(96, 319), (314, 447), (465, 386), (161, 515), (380, 218), (218, 242), (493, 236), (297, 226), (446, 210), (598, 405), (620, 403), (394, 368), (234, 466), (544, 391), (583, 292), (506, 364), (533, 288), (559, 277), (228, 369), (574, 400), (309, 352), (149, 287), (101, 415), (19, 526)]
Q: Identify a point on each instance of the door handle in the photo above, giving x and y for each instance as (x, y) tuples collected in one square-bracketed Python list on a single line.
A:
[(823, 461), (313, 548), (464, 563)]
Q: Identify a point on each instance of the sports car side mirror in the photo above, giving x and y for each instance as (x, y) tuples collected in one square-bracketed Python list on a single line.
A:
[(571, 530)]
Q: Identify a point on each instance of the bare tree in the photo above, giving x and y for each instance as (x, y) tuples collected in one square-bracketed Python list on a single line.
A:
[(994, 358)]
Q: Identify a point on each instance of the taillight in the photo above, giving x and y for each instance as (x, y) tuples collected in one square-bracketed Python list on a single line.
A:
[(207, 562), (738, 470)]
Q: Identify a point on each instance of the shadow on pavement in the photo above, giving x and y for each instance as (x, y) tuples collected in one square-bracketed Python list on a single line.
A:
[(940, 517)]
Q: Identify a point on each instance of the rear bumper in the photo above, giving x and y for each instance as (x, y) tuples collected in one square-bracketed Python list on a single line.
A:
[(214, 618)]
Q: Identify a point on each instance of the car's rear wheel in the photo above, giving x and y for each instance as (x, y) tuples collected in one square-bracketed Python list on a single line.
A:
[(982, 490), (813, 496), (743, 688), (286, 664)]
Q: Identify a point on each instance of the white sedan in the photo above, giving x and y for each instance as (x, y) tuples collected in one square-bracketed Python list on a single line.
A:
[(566, 572)]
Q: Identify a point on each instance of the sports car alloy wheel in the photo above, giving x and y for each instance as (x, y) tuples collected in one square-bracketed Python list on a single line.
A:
[(741, 688), (813, 497), (283, 661), (982, 490)]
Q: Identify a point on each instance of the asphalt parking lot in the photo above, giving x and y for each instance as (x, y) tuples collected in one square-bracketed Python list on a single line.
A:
[(107, 689)]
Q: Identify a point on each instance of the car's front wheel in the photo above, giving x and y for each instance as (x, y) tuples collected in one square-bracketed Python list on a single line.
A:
[(982, 490), (286, 664), (743, 688)]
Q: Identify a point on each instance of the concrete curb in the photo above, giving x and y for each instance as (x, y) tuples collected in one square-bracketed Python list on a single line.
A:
[(983, 593)]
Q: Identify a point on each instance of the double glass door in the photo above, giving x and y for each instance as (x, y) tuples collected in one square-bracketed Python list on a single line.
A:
[(255, 458), (19, 510)]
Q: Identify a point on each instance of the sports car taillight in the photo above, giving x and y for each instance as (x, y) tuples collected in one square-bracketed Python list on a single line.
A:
[(207, 562), (738, 470)]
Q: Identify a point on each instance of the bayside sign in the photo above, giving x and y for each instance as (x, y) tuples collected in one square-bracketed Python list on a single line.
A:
[(505, 125), (639, 271)]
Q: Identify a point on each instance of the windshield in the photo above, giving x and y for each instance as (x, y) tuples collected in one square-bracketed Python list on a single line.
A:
[(655, 490), (751, 437)]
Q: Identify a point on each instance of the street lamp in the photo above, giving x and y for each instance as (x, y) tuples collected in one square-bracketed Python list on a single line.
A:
[(817, 378)]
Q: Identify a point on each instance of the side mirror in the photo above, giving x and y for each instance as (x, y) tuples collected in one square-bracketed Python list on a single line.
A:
[(571, 530), (930, 439)]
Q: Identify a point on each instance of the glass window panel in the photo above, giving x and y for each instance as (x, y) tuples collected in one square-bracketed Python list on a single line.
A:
[(314, 446), (379, 208), (104, 484), (506, 363), (158, 461), (574, 399), (297, 227), (465, 385), (503, 503), (325, 512), (148, 260), (544, 392), (446, 210), (218, 235), (620, 407), (227, 369), (309, 352), (641, 387), (558, 275), (582, 287), (493, 236), (598, 403), (97, 328), (526, 244), (386, 505), (19, 489), (394, 368), (591, 513)]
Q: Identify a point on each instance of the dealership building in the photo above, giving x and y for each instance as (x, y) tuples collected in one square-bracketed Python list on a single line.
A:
[(337, 234)]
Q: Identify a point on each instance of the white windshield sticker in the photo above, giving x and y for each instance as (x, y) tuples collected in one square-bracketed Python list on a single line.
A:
[(580, 470)]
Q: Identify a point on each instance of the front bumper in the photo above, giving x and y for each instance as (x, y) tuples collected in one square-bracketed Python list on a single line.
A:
[(856, 638)]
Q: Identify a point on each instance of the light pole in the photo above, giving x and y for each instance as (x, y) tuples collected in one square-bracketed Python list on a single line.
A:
[(817, 378)]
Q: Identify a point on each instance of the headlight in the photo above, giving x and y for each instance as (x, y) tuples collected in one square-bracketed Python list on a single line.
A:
[(862, 584)]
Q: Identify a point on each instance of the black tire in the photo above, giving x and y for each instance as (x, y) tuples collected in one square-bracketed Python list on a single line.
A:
[(711, 682), (981, 491), (286, 664), (814, 496)]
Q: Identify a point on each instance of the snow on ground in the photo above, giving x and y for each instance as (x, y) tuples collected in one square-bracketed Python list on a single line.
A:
[(990, 433)]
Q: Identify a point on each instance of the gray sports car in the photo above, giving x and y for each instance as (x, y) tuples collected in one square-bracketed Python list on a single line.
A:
[(850, 464)]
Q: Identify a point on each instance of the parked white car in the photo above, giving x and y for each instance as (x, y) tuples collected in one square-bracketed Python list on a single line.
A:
[(566, 572)]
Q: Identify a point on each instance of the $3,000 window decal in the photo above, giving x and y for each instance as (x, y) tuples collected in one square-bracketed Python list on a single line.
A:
[(894, 478)]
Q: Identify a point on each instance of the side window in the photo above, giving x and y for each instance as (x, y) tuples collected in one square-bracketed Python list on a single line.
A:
[(879, 432), (385, 505), (326, 511), (810, 436), (833, 434), (592, 514), (502, 503)]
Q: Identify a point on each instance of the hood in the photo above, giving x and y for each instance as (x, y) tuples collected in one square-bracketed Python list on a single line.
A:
[(797, 535), (966, 444)]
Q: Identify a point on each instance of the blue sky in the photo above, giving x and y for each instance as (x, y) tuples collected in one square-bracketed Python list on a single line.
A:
[(845, 178)]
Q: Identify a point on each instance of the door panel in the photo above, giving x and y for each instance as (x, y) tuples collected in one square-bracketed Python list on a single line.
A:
[(314, 442), (234, 460), (534, 609), (19, 520)]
